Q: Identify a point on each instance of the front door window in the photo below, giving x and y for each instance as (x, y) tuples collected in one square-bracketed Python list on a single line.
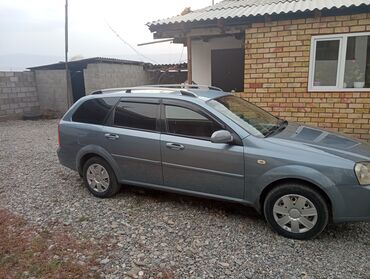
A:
[(186, 122)]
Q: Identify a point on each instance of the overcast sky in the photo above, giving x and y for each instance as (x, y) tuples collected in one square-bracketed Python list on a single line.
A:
[(36, 28)]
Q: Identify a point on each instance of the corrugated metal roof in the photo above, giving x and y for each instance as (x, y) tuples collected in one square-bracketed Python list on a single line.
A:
[(229, 9), (84, 62)]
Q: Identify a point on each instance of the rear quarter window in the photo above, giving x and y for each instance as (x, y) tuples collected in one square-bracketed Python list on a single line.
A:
[(94, 111)]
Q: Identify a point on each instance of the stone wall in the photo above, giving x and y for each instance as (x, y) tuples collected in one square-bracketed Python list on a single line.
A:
[(52, 91), (102, 76), (18, 94), (277, 56)]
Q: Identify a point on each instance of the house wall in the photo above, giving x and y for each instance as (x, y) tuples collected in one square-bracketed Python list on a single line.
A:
[(52, 91), (18, 94), (277, 58), (102, 76), (201, 56)]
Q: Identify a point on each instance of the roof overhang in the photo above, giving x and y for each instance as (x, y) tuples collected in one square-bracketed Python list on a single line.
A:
[(180, 29)]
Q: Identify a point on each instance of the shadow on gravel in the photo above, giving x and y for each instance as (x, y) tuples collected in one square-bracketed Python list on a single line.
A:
[(339, 232), (201, 204)]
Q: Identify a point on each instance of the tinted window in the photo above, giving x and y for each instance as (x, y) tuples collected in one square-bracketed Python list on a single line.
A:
[(136, 115), (94, 111), (183, 121)]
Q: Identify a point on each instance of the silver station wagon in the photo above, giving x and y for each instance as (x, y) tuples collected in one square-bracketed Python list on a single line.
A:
[(204, 142)]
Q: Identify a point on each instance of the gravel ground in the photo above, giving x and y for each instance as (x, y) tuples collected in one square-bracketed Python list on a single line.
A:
[(148, 230)]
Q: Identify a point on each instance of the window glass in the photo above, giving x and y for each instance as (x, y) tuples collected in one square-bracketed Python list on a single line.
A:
[(183, 121), (94, 111), (248, 116), (326, 63), (357, 66), (136, 115)]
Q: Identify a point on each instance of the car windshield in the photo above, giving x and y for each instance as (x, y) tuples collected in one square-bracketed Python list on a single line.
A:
[(253, 119)]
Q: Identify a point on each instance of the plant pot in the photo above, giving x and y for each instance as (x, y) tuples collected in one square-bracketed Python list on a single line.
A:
[(359, 84)]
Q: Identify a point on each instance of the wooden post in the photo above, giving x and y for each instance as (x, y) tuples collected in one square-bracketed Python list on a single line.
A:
[(190, 72)]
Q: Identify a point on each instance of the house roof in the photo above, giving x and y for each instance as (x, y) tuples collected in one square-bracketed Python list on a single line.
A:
[(84, 62), (181, 67), (234, 9)]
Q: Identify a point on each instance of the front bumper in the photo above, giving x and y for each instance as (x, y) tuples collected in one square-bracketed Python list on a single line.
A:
[(353, 204)]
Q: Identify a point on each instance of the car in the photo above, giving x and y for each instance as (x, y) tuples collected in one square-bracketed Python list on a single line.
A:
[(204, 142)]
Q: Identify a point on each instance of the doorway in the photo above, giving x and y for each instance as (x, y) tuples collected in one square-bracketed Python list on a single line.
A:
[(78, 84), (228, 69)]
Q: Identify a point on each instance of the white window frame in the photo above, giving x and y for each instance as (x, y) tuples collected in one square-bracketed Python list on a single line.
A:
[(343, 39)]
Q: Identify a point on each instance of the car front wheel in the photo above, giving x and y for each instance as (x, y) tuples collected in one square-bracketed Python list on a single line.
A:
[(296, 211), (99, 178)]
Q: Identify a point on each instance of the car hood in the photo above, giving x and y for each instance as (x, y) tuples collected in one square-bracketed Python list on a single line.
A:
[(329, 142)]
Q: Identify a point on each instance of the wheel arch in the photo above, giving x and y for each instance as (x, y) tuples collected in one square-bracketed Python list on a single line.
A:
[(95, 151), (299, 181)]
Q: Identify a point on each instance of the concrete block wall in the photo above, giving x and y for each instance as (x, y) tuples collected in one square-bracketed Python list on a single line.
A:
[(277, 56), (52, 91), (18, 94), (102, 76)]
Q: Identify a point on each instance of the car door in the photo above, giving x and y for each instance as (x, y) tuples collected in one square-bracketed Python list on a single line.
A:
[(133, 139), (191, 162)]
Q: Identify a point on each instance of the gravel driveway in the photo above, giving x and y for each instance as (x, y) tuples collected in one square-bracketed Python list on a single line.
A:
[(146, 230)]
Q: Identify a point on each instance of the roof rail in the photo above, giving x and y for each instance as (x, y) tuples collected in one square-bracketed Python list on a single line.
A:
[(130, 89), (183, 92), (188, 93), (167, 87), (182, 89), (108, 90), (187, 86)]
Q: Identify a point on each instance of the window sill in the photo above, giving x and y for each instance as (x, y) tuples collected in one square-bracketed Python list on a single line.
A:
[(331, 89)]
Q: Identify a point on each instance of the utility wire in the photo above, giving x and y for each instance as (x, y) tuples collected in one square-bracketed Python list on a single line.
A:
[(128, 44)]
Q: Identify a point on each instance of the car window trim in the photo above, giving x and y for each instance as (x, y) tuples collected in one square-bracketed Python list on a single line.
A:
[(138, 101), (197, 108), (184, 135), (106, 118)]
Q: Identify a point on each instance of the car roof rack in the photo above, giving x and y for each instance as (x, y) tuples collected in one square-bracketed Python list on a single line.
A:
[(183, 89), (187, 86), (183, 92)]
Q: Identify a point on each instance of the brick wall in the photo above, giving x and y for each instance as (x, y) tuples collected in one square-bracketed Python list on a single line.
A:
[(277, 67), (18, 94)]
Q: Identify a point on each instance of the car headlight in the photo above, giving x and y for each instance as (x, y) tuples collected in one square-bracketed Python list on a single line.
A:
[(362, 171)]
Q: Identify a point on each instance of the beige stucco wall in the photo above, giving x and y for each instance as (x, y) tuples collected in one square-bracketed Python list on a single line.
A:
[(102, 76), (52, 91)]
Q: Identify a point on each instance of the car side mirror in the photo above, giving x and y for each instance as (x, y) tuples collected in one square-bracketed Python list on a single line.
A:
[(222, 136)]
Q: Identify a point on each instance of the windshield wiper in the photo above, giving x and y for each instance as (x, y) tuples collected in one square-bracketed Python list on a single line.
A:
[(281, 125)]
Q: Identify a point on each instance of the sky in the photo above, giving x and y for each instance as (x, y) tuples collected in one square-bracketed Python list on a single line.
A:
[(32, 31)]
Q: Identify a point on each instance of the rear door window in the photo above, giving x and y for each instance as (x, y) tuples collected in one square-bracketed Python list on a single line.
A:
[(141, 116), (186, 122), (94, 111)]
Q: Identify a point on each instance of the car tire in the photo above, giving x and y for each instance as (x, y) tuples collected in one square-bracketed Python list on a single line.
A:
[(296, 211), (99, 178)]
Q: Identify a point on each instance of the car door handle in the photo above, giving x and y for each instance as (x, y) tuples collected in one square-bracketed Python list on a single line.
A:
[(111, 136), (175, 146)]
